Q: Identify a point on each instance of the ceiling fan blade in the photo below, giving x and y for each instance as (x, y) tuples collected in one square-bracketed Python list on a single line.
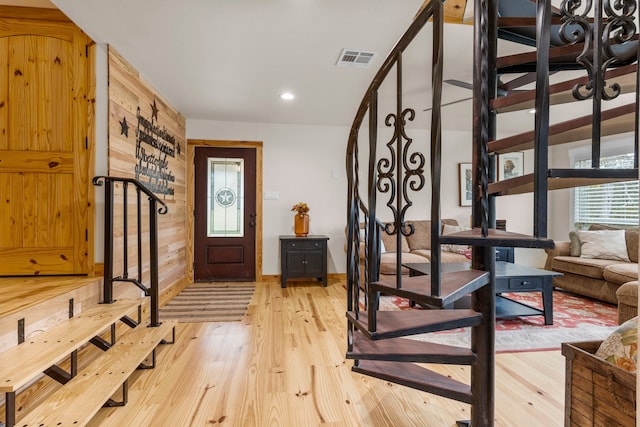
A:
[(449, 103), (459, 83), (465, 85)]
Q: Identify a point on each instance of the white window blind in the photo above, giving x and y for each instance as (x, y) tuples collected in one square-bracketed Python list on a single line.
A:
[(615, 204)]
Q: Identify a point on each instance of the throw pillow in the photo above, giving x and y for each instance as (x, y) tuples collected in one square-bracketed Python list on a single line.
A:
[(575, 243), (450, 229), (620, 348), (603, 244)]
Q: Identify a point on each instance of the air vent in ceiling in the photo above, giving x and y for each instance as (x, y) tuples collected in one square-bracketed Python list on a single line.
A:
[(355, 58)]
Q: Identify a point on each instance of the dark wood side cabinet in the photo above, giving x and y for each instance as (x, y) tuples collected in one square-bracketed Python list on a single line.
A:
[(303, 257)]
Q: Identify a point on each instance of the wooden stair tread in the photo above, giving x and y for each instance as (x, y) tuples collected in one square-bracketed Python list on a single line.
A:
[(560, 93), (85, 394), (393, 324), (561, 58), (559, 179), (614, 121), (408, 350), (417, 377), (453, 286), (21, 364), (495, 237)]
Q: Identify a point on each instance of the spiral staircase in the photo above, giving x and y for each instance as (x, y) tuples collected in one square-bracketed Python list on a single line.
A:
[(601, 40)]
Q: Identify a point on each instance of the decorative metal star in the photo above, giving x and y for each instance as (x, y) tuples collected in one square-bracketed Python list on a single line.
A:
[(124, 127), (154, 110), (179, 149)]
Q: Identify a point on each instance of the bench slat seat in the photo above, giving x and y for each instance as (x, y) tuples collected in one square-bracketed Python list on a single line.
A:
[(23, 363), (79, 400)]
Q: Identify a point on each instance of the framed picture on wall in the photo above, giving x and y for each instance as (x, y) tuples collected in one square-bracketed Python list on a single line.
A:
[(465, 183), (510, 165)]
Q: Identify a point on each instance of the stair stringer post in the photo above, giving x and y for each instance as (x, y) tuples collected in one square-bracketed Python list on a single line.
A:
[(541, 128), (483, 300), (436, 151)]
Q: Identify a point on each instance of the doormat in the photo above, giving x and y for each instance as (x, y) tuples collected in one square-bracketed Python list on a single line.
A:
[(575, 318), (209, 302)]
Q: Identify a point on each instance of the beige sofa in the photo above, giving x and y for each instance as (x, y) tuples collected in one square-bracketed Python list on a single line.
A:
[(593, 277), (415, 248)]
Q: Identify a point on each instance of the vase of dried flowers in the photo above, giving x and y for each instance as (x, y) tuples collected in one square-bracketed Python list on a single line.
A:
[(301, 219)]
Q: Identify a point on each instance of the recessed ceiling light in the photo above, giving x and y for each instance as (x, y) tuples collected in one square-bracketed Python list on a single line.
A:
[(287, 96)]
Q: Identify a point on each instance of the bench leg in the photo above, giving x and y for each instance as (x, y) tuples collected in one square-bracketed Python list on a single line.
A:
[(125, 397), (10, 408), (153, 361), (173, 337), (74, 363)]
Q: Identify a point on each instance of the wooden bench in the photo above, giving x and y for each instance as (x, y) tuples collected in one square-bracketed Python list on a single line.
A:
[(77, 401), (24, 363)]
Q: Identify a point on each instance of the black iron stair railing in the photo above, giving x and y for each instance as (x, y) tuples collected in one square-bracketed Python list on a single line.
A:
[(400, 175), (155, 207)]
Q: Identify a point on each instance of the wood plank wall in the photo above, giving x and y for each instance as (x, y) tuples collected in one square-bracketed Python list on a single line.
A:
[(150, 147)]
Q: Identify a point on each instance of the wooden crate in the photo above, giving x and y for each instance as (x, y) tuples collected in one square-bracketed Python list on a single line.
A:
[(597, 393)]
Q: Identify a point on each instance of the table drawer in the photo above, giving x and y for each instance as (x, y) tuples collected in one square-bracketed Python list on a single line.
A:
[(527, 283), (297, 245)]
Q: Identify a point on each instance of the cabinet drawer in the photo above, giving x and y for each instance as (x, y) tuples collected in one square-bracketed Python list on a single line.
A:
[(301, 246), (525, 283)]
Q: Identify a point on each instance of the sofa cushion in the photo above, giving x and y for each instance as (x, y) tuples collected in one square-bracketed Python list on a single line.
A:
[(389, 242), (621, 273), (425, 253), (575, 243), (603, 244), (631, 236), (388, 262), (444, 256), (450, 229), (583, 266), (421, 237), (452, 257)]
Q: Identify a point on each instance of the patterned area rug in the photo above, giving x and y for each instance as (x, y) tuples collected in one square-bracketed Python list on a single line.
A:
[(575, 319), (209, 302)]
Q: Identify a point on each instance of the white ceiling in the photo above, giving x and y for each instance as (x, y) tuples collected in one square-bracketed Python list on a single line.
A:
[(230, 60)]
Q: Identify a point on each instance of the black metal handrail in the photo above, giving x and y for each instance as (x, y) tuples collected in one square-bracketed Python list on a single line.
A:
[(156, 206), (356, 206)]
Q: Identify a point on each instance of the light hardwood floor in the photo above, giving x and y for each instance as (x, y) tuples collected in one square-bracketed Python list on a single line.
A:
[(284, 365)]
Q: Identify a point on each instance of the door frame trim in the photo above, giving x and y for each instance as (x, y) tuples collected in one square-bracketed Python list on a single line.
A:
[(191, 155)]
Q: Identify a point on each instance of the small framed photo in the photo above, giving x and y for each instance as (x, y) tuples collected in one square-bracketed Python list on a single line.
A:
[(510, 165), (465, 183)]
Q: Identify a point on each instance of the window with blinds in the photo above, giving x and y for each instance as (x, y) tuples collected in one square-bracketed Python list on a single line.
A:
[(614, 204)]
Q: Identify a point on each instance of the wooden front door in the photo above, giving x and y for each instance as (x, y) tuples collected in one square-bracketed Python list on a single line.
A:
[(225, 214), (44, 144)]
